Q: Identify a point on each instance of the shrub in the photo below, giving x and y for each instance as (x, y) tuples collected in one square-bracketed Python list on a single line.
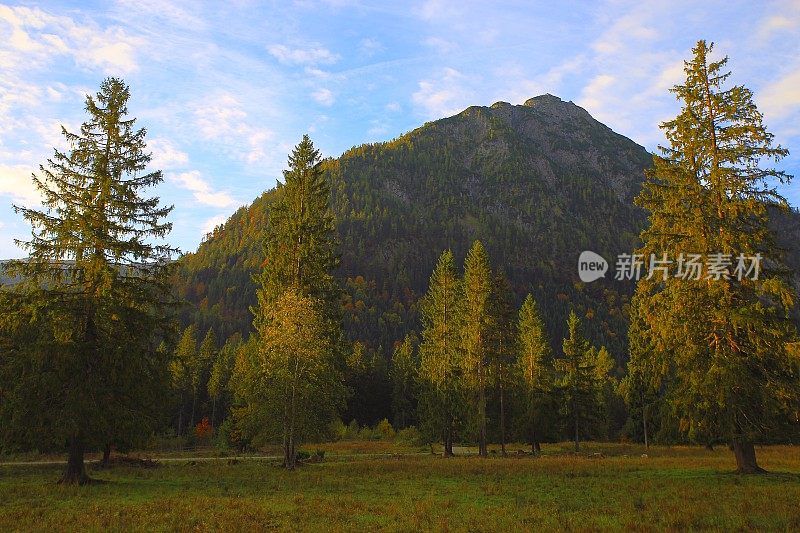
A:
[(203, 430), (386, 430), (303, 455), (410, 436)]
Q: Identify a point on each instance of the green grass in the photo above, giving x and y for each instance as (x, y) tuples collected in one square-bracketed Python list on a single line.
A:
[(675, 488)]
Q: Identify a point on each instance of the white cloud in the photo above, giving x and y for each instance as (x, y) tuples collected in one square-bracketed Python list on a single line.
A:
[(443, 96), (213, 222), (394, 107), (784, 19), (440, 45), (312, 55), (323, 97), (318, 73), (626, 30), (370, 47), (435, 9), (629, 69), (14, 95), (166, 155), (201, 190), (16, 183), (781, 96), (596, 93), (163, 11), (378, 129), (221, 118), (37, 38)]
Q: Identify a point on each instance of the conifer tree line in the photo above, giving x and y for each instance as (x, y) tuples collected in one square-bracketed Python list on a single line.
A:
[(477, 363), (91, 357)]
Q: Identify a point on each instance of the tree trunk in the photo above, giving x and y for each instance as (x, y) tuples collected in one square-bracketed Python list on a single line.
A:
[(644, 423), (482, 449), (577, 436), (106, 455), (745, 454), (502, 416), (290, 454), (194, 405), (75, 473), (448, 443), (537, 447)]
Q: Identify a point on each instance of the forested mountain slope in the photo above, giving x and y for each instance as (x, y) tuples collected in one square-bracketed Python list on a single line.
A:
[(537, 183)]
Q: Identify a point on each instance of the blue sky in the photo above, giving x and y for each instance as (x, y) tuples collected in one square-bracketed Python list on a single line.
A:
[(225, 89)]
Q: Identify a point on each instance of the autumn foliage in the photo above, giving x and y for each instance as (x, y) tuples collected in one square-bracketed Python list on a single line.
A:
[(204, 429)]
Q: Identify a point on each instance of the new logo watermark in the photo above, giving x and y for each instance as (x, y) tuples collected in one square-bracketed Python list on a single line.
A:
[(591, 266), (713, 266)]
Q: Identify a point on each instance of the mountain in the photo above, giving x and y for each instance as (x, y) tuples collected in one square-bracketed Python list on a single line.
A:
[(538, 183)]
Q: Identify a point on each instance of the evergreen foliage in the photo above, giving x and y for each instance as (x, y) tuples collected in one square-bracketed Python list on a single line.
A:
[(87, 322), (721, 347), (442, 402)]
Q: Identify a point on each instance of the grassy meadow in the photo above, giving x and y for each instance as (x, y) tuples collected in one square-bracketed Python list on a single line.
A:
[(378, 486)]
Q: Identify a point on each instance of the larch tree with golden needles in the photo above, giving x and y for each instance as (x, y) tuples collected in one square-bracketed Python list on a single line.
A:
[(442, 396), (535, 374), (298, 298), (723, 343), (476, 334)]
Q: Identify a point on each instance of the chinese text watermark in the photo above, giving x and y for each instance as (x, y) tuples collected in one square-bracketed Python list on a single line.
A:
[(714, 266)]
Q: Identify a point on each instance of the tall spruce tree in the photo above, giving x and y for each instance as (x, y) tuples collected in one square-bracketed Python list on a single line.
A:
[(535, 373), (502, 343), (220, 376), (442, 397), (577, 381), (404, 377), (180, 367), (85, 325), (201, 370), (300, 251), (721, 341), (476, 333)]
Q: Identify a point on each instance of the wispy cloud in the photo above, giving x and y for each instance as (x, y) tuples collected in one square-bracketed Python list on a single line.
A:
[(35, 36), (440, 45), (443, 95), (165, 155), (221, 117), (369, 47), (311, 55), (201, 189), (323, 97), (213, 222), (16, 183), (781, 98)]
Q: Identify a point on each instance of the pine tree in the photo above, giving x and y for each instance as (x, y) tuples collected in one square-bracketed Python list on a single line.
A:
[(535, 372), (300, 251), (404, 376), (200, 368), (577, 383), (94, 271), (300, 247), (441, 402), (606, 385), (476, 332), (181, 369), (503, 346), (220, 376), (721, 342)]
